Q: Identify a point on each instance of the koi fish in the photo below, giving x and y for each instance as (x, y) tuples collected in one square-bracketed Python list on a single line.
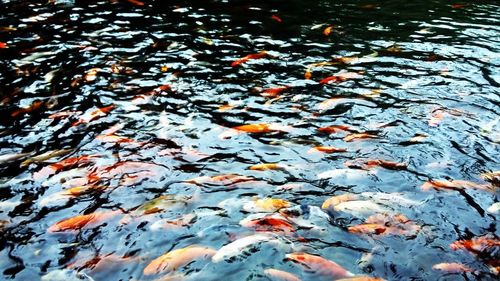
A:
[(36, 105), (269, 224), (451, 267), (361, 278), (273, 92), (355, 206), (335, 129), (359, 136), (326, 149), (319, 265), (266, 205), (328, 30), (161, 203), (386, 224), (246, 58), (280, 275), (136, 2), (81, 221), (477, 245), (176, 259), (65, 164), (491, 177), (238, 246), (258, 128), (266, 166), (64, 114), (372, 163), (100, 263), (94, 115), (8, 158), (276, 18), (227, 179), (45, 156), (334, 78), (453, 185), (3, 45)]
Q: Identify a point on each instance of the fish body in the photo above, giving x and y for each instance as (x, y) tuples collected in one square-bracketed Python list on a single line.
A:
[(335, 129), (247, 58), (359, 136), (319, 265), (327, 149), (266, 205), (176, 259), (80, 221), (45, 156), (236, 247), (451, 267), (280, 275)]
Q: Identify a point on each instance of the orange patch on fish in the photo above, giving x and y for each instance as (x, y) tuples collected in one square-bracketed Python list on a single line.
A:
[(63, 114), (334, 129), (270, 224), (225, 107), (79, 222), (176, 259), (136, 2), (227, 179), (326, 149), (3, 45), (266, 205), (359, 136), (276, 18), (273, 92), (94, 115), (247, 58), (454, 185), (373, 163), (33, 107), (328, 30), (280, 275), (266, 166), (451, 267), (386, 224), (63, 165), (319, 265), (477, 245), (335, 200)]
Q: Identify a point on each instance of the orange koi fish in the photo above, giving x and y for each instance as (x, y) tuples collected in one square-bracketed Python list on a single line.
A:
[(227, 179), (266, 166), (3, 45), (319, 265), (270, 224), (373, 163), (477, 245), (94, 115), (453, 185), (359, 136), (335, 200), (328, 30), (81, 221), (335, 129), (266, 205), (333, 78), (176, 259), (386, 224), (246, 58), (36, 105), (451, 267), (326, 149), (65, 164), (280, 275), (273, 92), (258, 128), (276, 18), (136, 2)]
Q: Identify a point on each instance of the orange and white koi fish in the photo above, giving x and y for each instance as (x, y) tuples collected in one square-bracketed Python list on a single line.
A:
[(176, 259), (273, 92), (227, 179), (335, 129), (36, 105), (246, 58), (451, 267), (373, 163), (477, 245), (258, 128), (328, 30), (93, 115), (266, 205), (359, 136), (269, 223), (65, 164), (340, 77), (326, 149), (280, 275), (454, 185), (81, 221), (238, 246), (319, 265), (386, 224)]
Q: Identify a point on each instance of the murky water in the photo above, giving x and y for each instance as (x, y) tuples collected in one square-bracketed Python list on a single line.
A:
[(129, 117)]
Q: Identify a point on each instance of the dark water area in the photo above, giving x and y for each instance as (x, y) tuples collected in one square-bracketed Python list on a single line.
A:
[(249, 140)]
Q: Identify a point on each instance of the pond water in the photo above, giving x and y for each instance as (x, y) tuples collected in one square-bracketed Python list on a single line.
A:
[(249, 140)]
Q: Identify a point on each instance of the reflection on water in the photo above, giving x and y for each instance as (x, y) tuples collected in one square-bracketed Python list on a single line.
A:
[(249, 140)]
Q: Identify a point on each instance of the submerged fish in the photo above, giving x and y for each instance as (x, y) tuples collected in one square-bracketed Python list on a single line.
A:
[(386, 224), (273, 92), (81, 221), (269, 223), (360, 136), (280, 275), (319, 265), (451, 267), (478, 245), (266, 166), (372, 163), (237, 247), (454, 185), (45, 156), (247, 58), (327, 149), (100, 112), (176, 259), (266, 205), (335, 129)]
